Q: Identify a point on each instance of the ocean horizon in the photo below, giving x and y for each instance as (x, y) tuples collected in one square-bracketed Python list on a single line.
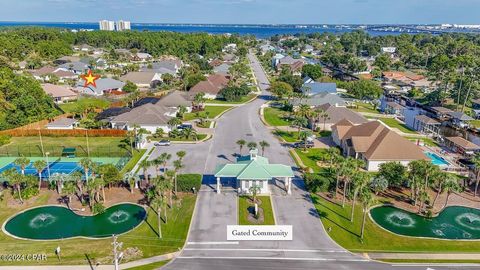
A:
[(258, 30)]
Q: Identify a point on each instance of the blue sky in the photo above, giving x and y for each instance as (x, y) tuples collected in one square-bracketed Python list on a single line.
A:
[(245, 11)]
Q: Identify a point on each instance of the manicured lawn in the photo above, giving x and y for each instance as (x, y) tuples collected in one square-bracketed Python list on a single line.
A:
[(183, 139), (426, 141), (213, 111), (242, 100), (376, 239), (206, 124), (99, 146), (393, 123), (266, 205), (76, 251), (475, 123), (364, 107), (275, 117), (134, 160), (288, 136), (311, 157), (150, 266), (83, 102)]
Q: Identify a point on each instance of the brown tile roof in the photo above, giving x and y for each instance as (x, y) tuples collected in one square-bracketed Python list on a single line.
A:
[(427, 120), (212, 85), (58, 91), (393, 74), (459, 141), (138, 77), (336, 114), (377, 142)]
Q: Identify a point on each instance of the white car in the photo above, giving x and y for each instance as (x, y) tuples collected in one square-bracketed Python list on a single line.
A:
[(162, 143)]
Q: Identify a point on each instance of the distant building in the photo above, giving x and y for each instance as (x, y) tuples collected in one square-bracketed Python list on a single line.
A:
[(389, 49), (123, 25), (107, 25), (63, 123), (60, 94), (212, 86)]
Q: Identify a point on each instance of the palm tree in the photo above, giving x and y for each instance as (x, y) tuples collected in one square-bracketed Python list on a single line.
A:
[(348, 170), (144, 165), (299, 122), (181, 155), (324, 116), (69, 191), (263, 145), (174, 122), (157, 204), (190, 132), (304, 135), (177, 164), (161, 187), (252, 145), (58, 179), (165, 157), (76, 177), (254, 190), (86, 164), (451, 185), (241, 143), (22, 162), (39, 165), (199, 99), (476, 162), (360, 181), (303, 111), (131, 179), (157, 162), (367, 200), (332, 154), (169, 179), (16, 180)]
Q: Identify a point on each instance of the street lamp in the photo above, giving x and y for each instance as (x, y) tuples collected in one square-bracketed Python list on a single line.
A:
[(48, 165)]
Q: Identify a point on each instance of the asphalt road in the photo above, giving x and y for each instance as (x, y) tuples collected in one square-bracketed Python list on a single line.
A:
[(207, 247)]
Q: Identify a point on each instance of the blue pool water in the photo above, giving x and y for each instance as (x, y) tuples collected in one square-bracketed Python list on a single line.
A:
[(52, 168), (436, 160)]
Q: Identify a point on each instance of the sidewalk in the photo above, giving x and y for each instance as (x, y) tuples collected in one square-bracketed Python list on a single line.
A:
[(423, 256), (93, 267)]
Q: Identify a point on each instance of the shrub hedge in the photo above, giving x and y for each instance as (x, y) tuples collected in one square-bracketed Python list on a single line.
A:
[(185, 182)]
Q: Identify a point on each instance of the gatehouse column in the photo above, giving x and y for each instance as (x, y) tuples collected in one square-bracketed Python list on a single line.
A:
[(289, 190), (218, 185)]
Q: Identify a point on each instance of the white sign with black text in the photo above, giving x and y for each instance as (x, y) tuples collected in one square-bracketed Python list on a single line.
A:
[(259, 233)]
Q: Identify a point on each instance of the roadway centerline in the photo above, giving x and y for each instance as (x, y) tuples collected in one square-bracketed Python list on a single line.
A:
[(268, 249)]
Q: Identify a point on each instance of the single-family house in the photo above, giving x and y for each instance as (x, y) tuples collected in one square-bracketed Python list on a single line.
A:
[(307, 79), (314, 88), (103, 86), (211, 86), (63, 123), (59, 93), (176, 99), (254, 171), (222, 69), (149, 116), (47, 72), (441, 113), (375, 144), (295, 65), (164, 66), (141, 57), (426, 125), (460, 119), (390, 50), (75, 67), (320, 99), (392, 107), (461, 145), (266, 48), (333, 115), (146, 79), (308, 48)]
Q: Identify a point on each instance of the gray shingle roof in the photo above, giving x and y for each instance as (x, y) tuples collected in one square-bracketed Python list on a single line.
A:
[(319, 87), (103, 84), (147, 114), (62, 122), (320, 99)]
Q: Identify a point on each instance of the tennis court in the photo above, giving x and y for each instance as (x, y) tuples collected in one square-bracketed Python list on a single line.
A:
[(57, 165)]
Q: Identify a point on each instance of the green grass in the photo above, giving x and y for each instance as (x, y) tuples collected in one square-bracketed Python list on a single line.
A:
[(241, 101), (183, 139), (71, 107), (213, 111), (137, 155), (275, 117), (99, 146), (206, 124), (288, 136), (393, 123), (75, 251), (364, 107), (311, 157), (150, 266), (475, 123), (376, 239), (426, 141), (266, 205)]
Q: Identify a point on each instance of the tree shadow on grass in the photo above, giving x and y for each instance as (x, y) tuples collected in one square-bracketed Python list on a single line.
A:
[(150, 225), (316, 201), (324, 215)]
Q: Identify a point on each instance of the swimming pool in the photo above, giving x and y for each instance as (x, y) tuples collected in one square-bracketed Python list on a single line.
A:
[(436, 159)]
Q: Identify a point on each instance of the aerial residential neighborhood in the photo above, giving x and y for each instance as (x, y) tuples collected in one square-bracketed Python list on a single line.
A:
[(131, 139)]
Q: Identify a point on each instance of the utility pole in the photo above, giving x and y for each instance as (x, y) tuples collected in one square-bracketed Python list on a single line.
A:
[(117, 255)]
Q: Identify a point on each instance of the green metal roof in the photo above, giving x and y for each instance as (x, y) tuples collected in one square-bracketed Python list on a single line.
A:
[(257, 168)]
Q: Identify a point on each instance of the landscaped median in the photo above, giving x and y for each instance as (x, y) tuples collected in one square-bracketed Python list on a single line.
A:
[(246, 211)]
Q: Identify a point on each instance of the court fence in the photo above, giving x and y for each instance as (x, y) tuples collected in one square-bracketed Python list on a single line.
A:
[(56, 151)]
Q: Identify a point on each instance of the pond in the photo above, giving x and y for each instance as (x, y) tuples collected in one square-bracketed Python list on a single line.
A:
[(56, 222), (454, 222)]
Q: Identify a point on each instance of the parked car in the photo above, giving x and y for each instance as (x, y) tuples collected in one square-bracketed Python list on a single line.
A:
[(162, 143), (309, 144), (185, 126)]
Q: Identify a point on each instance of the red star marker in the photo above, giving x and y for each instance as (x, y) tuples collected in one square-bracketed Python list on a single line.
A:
[(90, 78)]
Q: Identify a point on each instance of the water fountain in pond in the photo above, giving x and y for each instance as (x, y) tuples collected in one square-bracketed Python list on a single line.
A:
[(118, 216), (42, 220), (469, 220), (400, 219)]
